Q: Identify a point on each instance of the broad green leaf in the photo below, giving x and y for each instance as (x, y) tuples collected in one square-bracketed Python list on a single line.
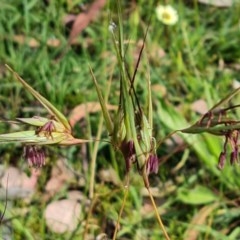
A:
[(235, 233), (197, 195)]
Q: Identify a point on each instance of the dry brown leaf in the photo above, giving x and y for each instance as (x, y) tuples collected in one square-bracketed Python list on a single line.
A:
[(21, 39), (33, 43), (160, 89), (62, 216), (81, 110), (83, 19), (199, 219), (199, 106), (53, 42), (69, 18)]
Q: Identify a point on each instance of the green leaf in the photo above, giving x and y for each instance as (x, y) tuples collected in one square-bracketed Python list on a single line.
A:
[(105, 112), (198, 195), (235, 233), (50, 108)]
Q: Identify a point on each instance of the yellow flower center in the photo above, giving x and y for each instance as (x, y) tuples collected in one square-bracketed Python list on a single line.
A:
[(166, 15)]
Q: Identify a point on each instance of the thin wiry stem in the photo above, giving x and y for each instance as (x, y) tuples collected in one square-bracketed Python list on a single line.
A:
[(96, 145), (94, 159), (158, 215), (126, 190), (5, 207), (93, 202)]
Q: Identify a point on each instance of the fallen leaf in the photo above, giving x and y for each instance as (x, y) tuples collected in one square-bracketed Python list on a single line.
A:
[(21, 39), (82, 110), (160, 89), (33, 43), (53, 42), (69, 18), (83, 19), (62, 216), (199, 106)]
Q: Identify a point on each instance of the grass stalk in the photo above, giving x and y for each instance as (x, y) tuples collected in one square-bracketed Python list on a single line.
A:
[(126, 191), (158, 215), (93, 202), (95, 149), (94, 159)]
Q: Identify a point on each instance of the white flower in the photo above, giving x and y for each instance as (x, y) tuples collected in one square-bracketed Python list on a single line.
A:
[(167, 14), (112, 26)]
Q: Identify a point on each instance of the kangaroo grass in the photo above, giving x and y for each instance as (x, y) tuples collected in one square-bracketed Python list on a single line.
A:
[(131, 131)]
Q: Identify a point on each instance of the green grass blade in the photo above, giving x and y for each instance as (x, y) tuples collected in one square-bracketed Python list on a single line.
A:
[(50, 108), (30, 137), (105, 112)]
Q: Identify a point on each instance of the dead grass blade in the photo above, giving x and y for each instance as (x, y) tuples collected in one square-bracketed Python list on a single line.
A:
[(199, 219)]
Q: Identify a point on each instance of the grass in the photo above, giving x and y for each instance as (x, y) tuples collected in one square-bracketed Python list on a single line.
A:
[(198, 58)]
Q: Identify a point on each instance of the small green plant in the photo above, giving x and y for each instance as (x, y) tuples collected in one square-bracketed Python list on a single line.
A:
[(48, 131)]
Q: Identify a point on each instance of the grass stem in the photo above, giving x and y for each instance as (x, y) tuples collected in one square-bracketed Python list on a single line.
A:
[(126, 190), (158, 215)]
